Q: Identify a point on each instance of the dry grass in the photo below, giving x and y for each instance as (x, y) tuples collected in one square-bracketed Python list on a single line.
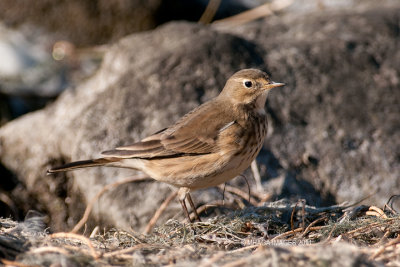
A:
[(291, 233)]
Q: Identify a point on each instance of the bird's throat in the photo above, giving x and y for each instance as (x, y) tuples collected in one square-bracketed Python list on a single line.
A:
[(260, 102)]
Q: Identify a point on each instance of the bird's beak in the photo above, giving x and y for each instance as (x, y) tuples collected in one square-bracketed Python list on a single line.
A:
[(273, 85)]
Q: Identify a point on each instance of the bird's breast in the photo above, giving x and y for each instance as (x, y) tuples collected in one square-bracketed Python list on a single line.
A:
[(240, 147)]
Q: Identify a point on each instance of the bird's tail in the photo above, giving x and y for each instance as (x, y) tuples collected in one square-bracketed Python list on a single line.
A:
[(81, 164)]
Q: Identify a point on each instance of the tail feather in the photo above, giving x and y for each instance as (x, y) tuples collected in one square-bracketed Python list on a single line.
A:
[(80, 164)]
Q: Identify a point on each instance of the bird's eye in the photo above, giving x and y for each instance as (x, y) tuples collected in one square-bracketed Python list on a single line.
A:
[(248, 84)]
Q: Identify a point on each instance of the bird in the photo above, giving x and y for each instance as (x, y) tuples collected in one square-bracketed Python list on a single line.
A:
[(208, 146)]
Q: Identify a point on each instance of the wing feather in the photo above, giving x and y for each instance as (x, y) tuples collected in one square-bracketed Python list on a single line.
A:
[(195, 133)]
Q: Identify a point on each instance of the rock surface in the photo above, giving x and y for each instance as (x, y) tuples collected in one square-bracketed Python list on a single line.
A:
[(334, 129), (337, 123)]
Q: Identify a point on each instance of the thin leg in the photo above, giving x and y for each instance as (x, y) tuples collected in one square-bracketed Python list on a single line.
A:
[(193, 207), (185, 210), (182, 194)]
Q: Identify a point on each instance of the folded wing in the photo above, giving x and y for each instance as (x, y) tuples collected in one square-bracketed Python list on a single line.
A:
[(195, 133)]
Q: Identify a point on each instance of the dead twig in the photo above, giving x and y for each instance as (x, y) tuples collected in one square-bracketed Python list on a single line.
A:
[(248, 187), (391, 201), (256, 175), (16, 263), (311, 225), (202, 208), (292, 216), (79, 237), (94, 232), (159, 212), (393, 242), (375, 211), (210, 11), (253, 14), (293, 232), (263, 198), (330, 234), (383, 239), (244, 249), (303, 213), (369, 226), (106, 188), (242, 194), (124, 251)]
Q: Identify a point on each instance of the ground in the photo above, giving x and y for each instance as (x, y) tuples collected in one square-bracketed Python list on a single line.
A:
[(277, 232)]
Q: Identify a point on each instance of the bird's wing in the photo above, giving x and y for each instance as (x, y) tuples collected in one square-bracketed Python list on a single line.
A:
[(195, 133)]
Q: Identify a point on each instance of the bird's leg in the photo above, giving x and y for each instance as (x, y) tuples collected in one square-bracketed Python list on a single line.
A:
[(193, 207), (185, 209), (182, 193)]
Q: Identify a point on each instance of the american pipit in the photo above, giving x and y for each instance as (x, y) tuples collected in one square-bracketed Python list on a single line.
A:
[(206, 147)]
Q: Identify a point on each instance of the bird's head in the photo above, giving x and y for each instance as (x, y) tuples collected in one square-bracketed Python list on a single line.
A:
[(249, 86)]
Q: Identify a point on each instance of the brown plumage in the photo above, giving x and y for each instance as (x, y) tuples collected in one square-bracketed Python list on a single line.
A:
[(208, 146)]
